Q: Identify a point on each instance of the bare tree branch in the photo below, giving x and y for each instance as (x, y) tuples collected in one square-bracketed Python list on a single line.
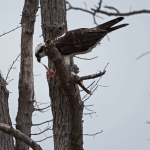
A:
[(143, 55), (86, 58), (11, 67), (88, 105), (93, 87), (90, 76), (90, 113), (113, 8), (45, 138), (20, 136), (40, 109), (85, 10), (121, 14), (49, 128), (93, 134), (89, 85), (42, 123), (9, 31), (96, 10)]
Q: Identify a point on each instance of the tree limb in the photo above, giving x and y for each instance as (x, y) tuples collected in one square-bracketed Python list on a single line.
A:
[(40, 109), (112, 8), (121, 14), (86, 58), (90, 76), (20, 136), (41, 123), (143, 55), (11, 67), (98, 10), (93, 134), (49, 128), (45, 138), (10, 31)]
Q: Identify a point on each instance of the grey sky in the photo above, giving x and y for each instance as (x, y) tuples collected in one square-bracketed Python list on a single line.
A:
[(123, 107)]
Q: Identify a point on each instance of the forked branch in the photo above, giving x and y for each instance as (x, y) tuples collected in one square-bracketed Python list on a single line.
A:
[(98, 9)]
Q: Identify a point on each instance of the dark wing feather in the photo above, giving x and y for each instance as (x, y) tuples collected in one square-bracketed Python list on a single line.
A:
[(79, 40)]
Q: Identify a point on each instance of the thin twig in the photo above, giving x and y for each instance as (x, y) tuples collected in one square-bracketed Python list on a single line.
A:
[(42, 131), (11, 67), (100, 5), (143, 55), (93, 87), (45, 139), (85, 5), (86, 58), (88, 105), (85, 10), (10, 80), (93, 134), (113, 8), (40, 109), (103, 85), (88, 86), (121, 14), (98, 10), (89, 113), (88, 109), (9, 31), (42, 123)]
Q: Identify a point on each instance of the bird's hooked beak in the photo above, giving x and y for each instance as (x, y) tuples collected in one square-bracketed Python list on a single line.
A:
[(38, 58)]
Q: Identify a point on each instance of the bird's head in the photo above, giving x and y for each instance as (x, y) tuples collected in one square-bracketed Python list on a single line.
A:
[(39, 51)]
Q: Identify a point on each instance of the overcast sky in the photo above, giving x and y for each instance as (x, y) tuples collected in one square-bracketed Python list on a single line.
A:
[(122, 108)]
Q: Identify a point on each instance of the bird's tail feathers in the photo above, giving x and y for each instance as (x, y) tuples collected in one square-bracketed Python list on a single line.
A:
[(116, 27), (108, 25)]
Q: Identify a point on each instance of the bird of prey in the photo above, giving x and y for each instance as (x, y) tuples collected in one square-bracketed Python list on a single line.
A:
[(80, 41)]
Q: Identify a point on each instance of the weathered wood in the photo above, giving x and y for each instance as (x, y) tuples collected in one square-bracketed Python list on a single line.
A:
[(54, 22), (19, 135), (6, 141), (66, 103), (26, 83)]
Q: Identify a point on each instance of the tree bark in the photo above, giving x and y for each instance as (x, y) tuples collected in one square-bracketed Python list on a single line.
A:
[(67, 107), (6, 141), (19, 135), (26, 83), (54, 22)]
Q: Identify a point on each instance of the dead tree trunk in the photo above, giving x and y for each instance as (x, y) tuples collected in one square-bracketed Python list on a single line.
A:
[(6, 141), (26, 83), (66, 103)]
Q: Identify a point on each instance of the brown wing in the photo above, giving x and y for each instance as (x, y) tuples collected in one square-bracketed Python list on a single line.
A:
[(79, 40)]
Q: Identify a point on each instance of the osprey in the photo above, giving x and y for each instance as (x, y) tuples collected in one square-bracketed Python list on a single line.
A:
[(80, 41)]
